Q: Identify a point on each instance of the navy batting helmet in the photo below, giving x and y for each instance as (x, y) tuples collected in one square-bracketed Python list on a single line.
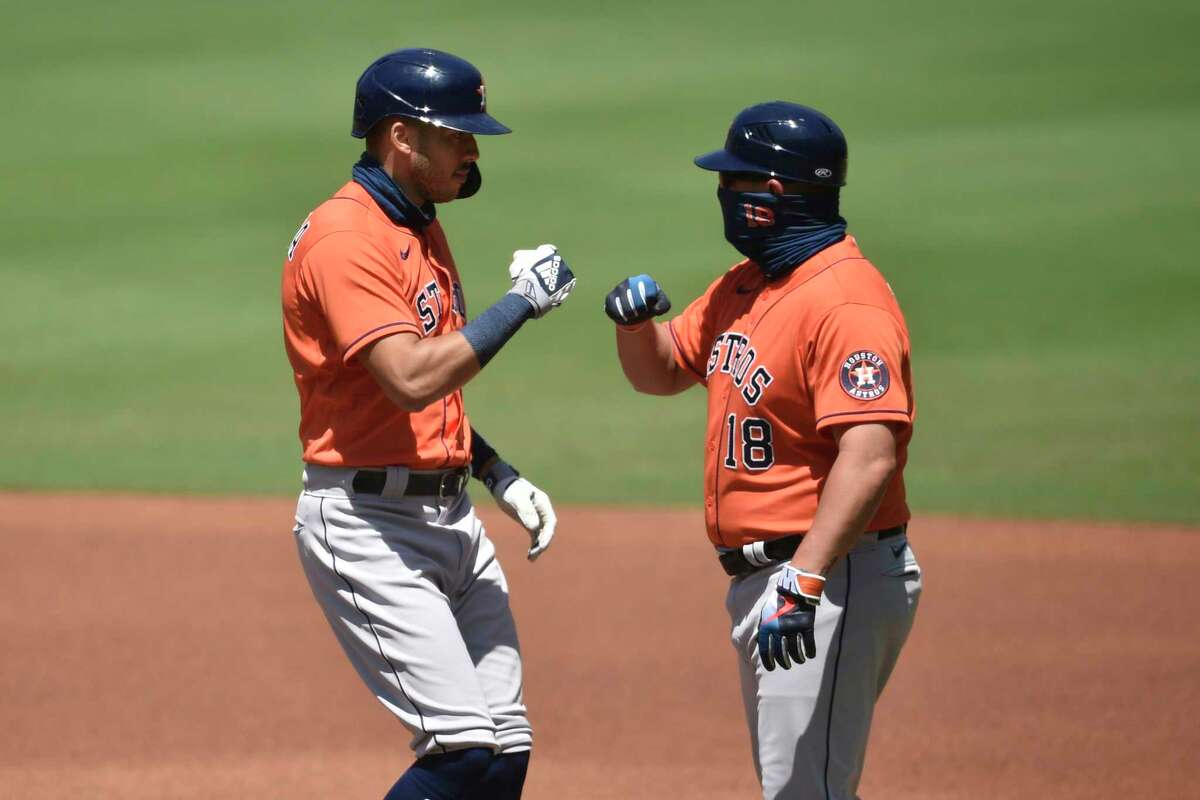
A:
[(783, 140), (428, 85)]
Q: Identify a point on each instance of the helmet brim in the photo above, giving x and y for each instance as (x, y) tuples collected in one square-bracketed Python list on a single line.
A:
[(477, 123), (480, 123), (724, 161)]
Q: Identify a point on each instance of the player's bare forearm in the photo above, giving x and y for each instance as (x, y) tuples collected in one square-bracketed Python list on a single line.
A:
[(415, 372), (648, 360), (864, 467)]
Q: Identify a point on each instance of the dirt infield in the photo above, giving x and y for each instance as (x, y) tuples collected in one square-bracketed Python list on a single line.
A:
[(169, 648)]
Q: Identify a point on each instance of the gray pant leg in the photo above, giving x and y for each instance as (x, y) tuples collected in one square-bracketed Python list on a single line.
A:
[(485, 620)]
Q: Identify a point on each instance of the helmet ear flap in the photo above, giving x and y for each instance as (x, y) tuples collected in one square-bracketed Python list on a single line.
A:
[(472, 184)]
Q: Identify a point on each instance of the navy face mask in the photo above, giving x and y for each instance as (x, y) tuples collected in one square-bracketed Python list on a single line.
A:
[(780, 232)]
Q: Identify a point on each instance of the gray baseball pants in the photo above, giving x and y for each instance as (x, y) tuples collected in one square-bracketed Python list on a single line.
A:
[(809, 724), (412, 589)]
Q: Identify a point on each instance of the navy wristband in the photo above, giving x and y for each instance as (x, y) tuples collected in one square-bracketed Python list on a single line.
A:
[(488, 332), (499, 472), (481, 454)]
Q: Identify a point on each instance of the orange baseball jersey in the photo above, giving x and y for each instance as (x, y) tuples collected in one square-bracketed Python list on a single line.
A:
[(352, 277), (784, 362)]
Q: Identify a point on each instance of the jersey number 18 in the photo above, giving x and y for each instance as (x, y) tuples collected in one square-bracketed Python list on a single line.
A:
[(757, 451)]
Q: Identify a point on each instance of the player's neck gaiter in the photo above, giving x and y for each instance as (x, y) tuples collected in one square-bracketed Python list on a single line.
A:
[(370, 174), (780, 232)]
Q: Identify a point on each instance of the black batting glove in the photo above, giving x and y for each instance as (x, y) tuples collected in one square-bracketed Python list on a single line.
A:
[(636, 300), (786, 627)]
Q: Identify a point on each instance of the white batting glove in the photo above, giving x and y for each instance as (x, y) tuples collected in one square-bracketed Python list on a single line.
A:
[(529, 506), (541, 277)]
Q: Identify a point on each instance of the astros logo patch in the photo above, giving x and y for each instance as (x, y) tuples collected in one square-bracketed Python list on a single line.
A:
[(865, 376)]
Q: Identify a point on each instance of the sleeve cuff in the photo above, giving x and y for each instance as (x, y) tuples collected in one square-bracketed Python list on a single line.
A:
[(374, 335), (867, 415)]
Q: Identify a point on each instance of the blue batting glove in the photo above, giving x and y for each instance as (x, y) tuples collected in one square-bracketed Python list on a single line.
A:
[(785, 627), (635, 300)]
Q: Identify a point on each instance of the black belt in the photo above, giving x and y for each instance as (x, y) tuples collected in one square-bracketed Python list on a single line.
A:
[(748, 558), (427, 484)]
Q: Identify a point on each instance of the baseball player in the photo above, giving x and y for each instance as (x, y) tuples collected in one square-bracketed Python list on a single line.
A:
[(805, 356), (376, 329)]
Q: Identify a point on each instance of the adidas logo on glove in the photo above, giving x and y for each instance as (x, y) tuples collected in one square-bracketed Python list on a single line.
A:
[(542, 277), (547, 272)]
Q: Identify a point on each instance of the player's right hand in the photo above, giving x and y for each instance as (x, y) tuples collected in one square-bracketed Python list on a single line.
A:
[(541, 277), (635, 300), (786, 627)]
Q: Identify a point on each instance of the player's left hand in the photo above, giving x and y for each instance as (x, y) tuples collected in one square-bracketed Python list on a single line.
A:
[(529, 506), (787, 623)]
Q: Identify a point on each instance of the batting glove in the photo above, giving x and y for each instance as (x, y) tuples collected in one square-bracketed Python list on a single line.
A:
[(541, 278), (786, 624), (635, 300), (528, 505)]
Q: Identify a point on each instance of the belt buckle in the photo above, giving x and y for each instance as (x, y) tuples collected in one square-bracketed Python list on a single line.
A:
[(445, 490)]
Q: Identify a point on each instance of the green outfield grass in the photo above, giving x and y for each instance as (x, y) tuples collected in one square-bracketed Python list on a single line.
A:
[(1026, 174)]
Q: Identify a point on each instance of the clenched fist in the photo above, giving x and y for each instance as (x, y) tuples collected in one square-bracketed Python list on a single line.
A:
[(541, 278), (635, 300)]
